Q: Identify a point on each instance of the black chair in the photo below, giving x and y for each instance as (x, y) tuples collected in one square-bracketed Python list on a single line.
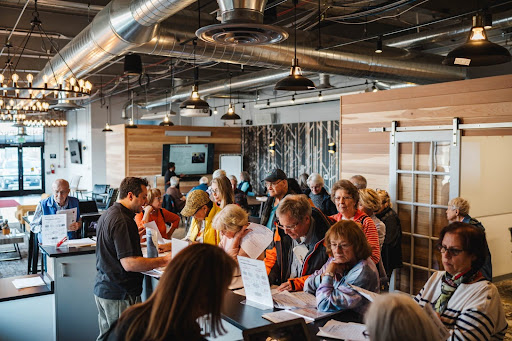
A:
[(168, 203), (87, 207), (89, 223), (111, 198)]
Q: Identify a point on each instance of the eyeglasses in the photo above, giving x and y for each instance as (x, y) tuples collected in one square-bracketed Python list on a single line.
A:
[(451, 251), (342, 198), (272, 184), (336, 246), (289, 227), (366, 334), (215, 191)]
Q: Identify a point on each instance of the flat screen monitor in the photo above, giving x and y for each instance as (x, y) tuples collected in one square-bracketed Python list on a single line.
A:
[(75, 150), (190, 159)]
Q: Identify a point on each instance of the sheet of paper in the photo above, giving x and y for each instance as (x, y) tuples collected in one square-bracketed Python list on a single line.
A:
[(70, 214), (299, 299), (444, 333), (177, 246), (54, 229), (257, 240), (81, 242), (28, 282), (280, 316), (342, 330), (154, 232), (257, 287), (311, 313), (369, 295), (241, 292)]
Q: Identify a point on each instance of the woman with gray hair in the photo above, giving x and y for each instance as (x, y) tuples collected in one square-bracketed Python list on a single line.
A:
[(177, 198), (397, 317), (319, 195)]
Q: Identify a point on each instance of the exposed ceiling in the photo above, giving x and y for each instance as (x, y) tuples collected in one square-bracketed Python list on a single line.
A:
[(412, 46)]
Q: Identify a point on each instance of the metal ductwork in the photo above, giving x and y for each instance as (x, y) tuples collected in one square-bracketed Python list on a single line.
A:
[(242, 24), (251, 80), (500, 21), (323, 81), (121, 25), (356, 60)]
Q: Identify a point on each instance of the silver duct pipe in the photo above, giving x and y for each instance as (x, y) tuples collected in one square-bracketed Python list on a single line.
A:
[(500, 21), (241, 82), (356, 60), (119, 26)]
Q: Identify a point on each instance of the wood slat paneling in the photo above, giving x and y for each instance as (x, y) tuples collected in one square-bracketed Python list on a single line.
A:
[(138, 152)]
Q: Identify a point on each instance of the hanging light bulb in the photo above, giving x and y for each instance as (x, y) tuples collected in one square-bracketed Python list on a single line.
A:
[(243, 106), (215, 112), (378, 49), (320, 97), (292, 100), (107, 128), (230, 114), (478, 50)]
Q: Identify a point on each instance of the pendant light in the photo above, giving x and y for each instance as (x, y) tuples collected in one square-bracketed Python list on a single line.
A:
[(295, 81), (167, 121), (230, 114), (102, 102), (131, 123), (477, 50)]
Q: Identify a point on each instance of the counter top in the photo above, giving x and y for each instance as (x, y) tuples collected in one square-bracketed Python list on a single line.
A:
[(8, 292), (52, 251)]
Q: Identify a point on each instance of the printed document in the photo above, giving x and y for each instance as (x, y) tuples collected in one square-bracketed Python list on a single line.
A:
[(177, 246), (70, 215), (21, 283), (369, 295), (256, 285), (54, 229), (257, 240), (342, 330), (290, 300)]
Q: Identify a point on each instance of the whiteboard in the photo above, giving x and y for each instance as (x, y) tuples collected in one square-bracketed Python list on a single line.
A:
[(232, 164)]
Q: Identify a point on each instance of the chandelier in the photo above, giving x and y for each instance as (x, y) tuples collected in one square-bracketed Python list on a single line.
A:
[(20, 96)]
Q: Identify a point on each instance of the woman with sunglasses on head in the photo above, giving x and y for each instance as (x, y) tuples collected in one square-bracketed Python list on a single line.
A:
[(193, 284), (222, 191), (468, 305), (349, 263), (154, 212), (346, 198)]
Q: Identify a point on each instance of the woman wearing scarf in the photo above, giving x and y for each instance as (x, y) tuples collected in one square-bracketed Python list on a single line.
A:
[(468, 305)]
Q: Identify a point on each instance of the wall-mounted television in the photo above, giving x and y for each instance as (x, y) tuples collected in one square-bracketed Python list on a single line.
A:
[(75, 150), (190, 159)]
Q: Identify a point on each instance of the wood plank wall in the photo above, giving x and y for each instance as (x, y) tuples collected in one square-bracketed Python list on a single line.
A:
[(484, 100), (138, 152)]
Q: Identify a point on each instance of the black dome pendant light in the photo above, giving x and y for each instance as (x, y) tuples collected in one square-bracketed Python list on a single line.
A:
[(295, 81), (230, 114)]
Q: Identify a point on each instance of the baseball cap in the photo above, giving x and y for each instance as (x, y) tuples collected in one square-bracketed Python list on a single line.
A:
[(275, 175), (195, 200)]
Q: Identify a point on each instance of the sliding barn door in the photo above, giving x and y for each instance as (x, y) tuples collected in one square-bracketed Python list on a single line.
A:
[(424, 175)]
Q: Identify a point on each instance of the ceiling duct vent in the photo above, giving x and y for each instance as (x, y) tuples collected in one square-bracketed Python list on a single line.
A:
[(65, 105), (242, 24), (324, 82)]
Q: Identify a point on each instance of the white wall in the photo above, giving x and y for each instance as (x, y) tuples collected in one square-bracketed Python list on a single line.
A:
[(485, 182)]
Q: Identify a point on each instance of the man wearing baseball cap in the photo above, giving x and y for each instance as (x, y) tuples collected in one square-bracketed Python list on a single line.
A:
[(277, 185), (203, 210)]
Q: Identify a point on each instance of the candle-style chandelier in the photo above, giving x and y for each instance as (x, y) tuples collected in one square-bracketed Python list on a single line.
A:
[(21, 96)]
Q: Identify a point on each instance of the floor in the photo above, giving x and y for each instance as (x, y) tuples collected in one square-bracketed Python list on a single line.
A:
[(19, 267)]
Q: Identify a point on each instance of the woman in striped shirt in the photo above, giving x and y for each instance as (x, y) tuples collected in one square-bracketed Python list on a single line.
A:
[(346, 197), (468, 305)]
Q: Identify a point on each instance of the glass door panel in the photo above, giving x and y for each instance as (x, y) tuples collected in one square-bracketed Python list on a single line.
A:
[(9, 169), (32, 169)]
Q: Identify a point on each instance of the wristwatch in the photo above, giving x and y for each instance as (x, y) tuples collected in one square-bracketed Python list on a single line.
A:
[(329, 274)]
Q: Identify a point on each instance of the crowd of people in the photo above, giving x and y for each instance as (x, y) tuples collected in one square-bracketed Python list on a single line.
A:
[(317, 240)]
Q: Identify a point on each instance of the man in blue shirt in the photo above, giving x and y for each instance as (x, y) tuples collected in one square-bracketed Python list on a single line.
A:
[(59, 200)]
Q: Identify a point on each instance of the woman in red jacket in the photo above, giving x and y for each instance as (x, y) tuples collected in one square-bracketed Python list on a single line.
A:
[(346, 197), (155, 212)]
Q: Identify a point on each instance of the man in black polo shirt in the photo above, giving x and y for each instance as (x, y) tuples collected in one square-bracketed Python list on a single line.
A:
[(119, 259)]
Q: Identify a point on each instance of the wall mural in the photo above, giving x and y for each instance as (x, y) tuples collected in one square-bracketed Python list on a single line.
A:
[(299, 148)]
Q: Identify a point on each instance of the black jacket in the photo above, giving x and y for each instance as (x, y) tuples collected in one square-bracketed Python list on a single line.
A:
[(328, 207), (391, 252), (315, 259)]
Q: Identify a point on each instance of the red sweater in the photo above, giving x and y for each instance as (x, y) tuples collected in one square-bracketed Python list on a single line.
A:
[(369, 229), (169, 218)]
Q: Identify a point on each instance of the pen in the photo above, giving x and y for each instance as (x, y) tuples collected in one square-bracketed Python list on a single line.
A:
[(62, 241)]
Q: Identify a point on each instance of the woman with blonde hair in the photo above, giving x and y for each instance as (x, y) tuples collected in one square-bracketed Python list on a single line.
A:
[(222, 191), (394, 317), (370, 203), (193, 285), (349, 263), (154, 212), (233, 224)]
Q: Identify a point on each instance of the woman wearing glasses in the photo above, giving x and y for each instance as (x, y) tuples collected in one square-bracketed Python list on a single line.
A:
[(346, 197), (155, 212), (349, 263), (468, 305)]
